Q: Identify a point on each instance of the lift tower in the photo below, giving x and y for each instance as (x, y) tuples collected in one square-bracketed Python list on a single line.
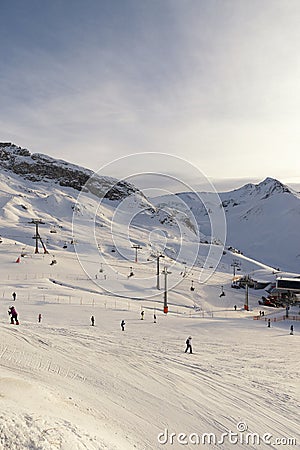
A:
[(37, 236)]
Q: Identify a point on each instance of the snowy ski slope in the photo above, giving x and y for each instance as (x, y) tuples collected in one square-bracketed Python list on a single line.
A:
[(67, 385)]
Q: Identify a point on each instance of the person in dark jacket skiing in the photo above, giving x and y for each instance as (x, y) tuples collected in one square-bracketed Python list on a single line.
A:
[(14, 296), (14, 315), (188, 345), (123, 325), (92, 321), (40, 318)]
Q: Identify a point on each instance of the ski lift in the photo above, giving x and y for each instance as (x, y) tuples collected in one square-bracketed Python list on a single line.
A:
[(192, 286)]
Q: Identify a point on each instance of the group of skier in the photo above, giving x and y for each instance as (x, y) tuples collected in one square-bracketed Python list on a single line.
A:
[(14, 320)]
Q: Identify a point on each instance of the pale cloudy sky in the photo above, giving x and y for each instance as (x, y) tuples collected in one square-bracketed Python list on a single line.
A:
[(216, 82)]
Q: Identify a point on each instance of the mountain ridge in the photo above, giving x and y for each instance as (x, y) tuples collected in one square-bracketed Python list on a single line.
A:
[(38, 167)]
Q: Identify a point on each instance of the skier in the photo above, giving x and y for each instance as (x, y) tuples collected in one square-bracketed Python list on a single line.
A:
[(142, 315), (154, 318), (292, 329), (123, 325), (93, 321), (40, 318), (235, 307), (188, 345), (14, 315), (269, 323), (14, 296)]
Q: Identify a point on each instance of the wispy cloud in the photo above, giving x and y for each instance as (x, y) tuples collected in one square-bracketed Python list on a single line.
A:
[(216, 82)]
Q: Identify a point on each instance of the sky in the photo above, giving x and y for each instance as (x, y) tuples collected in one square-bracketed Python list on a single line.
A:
[(213, 82)]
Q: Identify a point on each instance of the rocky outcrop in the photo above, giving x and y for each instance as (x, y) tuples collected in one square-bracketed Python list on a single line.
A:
[(37, 167)]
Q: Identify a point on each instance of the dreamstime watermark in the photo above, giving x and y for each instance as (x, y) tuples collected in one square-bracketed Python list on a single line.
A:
[(189, 230), (240, 436)]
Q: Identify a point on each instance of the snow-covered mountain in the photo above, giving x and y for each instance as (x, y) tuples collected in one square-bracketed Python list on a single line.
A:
[(263, 220), (65, 384), (70, 199)]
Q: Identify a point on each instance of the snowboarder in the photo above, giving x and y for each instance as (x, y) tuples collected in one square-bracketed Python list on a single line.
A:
[(14, 315), (93, 321), (14, 296), (292, 329), (40, 318), (269, 323), (123, 325), (154, 318), (142, 315), (188, 345)]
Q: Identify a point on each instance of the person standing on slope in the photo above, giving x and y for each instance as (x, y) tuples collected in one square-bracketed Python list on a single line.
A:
[(123, 325), (189, 345), (92, 321), (14, 315), (14, 296)]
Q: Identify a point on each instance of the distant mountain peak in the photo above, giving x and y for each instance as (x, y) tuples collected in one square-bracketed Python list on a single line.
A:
[(271, 186)]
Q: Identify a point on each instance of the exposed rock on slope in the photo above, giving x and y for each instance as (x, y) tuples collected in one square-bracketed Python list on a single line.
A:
[(38, 167)]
